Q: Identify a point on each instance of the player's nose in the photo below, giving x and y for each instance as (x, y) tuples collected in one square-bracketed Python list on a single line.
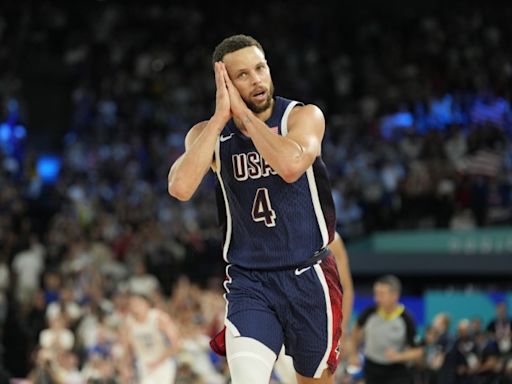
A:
[(256, 79)]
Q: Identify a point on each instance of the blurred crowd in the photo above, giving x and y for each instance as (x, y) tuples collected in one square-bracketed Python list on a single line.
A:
[(477, 353), (474, 353), (419, 135)]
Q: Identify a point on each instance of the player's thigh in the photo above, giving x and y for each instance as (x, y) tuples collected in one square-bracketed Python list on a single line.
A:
[(259, 325), (314, 320), (251, 312)]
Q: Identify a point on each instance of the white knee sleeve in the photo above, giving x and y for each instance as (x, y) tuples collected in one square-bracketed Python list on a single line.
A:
[(250, 361)]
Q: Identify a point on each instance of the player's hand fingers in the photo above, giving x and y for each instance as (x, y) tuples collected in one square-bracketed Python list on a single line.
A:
[(227, 80), (234, 95), (222, 97), (216, 69), (219, 77)]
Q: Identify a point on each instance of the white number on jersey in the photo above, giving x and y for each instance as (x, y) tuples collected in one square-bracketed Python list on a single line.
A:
[(262, 209)]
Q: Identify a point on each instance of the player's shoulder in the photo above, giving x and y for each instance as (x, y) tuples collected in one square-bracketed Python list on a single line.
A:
[(306, 111)]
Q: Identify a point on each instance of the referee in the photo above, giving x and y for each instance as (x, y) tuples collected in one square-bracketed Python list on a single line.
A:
[(388, 332)]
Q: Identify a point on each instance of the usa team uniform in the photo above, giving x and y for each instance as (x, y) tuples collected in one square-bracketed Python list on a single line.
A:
[(282, 282)]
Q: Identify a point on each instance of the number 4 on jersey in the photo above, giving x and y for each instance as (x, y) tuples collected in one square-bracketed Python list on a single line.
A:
[(262, 209)]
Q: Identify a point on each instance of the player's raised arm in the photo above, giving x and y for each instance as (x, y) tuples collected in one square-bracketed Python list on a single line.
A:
[(187, 172), (291, 155), (168, 328)]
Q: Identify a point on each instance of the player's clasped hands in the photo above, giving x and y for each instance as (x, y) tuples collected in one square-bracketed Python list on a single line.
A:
[(228, 98), (222, 103), (238, 106)]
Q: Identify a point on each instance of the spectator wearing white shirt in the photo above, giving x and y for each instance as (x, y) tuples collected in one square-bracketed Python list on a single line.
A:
[(57, 338), (66, 306), (28, 266)]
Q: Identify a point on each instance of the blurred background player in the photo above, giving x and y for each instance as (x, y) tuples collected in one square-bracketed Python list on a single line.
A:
[(151, 338)]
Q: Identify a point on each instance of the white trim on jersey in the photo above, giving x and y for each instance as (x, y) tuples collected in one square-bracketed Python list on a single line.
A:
[(226, 288), (284, 119), (323, 363), (229, 224), (320, 218), (217, 156), (232, 328)]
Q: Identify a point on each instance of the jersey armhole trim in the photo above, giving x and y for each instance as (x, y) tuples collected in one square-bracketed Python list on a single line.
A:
[(284, 119)]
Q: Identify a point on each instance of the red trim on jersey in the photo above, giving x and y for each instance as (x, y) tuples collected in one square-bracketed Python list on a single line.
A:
[(218, 343), (335, 293)]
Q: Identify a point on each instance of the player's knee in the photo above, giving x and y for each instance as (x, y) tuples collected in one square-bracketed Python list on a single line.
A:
[(249, 369), (250, 361)]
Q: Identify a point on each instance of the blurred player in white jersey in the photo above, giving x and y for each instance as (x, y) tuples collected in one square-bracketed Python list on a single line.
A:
[(151, 339)]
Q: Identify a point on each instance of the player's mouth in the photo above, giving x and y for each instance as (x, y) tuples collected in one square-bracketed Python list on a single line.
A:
[(259, 95)]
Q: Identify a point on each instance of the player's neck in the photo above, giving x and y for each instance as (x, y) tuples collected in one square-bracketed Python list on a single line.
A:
[(141, 317), (265, 115)]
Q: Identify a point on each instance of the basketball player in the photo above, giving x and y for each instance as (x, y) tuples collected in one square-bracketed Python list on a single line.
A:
[(284, 364), (151, 336), (282, 286)]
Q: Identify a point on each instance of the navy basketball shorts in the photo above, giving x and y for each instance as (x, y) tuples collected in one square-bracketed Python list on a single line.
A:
[(300, 308)]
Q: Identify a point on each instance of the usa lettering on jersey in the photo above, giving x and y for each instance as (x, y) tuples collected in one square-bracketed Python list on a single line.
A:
[(250, 165)]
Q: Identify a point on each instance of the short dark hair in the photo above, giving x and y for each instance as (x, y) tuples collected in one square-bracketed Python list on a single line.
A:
[(392, 281), (232, 44)]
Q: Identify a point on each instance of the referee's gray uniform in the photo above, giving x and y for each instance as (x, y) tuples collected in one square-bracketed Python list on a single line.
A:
[(381, 332)]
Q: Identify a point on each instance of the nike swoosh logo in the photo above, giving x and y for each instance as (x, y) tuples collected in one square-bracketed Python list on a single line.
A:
[(301, 271), (225, 138)]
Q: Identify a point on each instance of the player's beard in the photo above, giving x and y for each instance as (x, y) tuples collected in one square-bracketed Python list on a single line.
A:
[(262, 107)]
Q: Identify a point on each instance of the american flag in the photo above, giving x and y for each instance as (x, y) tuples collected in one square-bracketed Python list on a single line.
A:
[(483, 162)]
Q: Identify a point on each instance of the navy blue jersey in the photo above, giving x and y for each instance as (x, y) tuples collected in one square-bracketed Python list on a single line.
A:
[(269, 223)]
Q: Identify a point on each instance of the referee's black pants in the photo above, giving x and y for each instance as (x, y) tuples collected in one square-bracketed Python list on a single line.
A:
[(375, 373)]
